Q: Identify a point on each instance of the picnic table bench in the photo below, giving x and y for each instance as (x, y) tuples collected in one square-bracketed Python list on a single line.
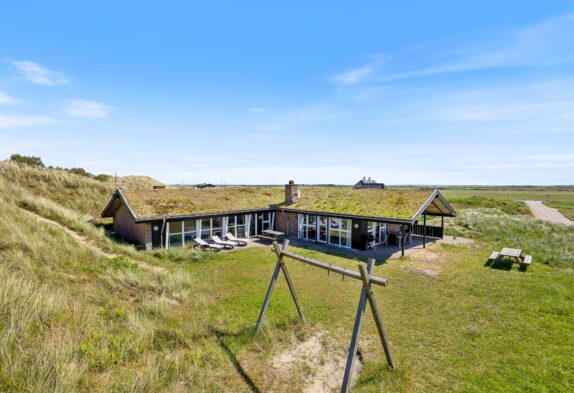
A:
[(513, 255)]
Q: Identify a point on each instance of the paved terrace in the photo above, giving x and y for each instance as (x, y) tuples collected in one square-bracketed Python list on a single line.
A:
[(380, 252)]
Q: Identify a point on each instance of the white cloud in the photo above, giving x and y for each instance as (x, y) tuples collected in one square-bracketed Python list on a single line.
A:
[(257, 109), (87, 109), (7, 121), (35, 73), (363, 73), (5, 99)]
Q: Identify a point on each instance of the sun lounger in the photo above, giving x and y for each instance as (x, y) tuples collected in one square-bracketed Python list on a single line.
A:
[(240, 242), (206, 246), (227, 244)]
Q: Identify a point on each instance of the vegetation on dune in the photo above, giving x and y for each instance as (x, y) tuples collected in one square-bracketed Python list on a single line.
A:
[(474, 202)]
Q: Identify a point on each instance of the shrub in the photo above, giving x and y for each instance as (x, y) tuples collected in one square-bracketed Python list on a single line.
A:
[(102, 177), (81, 172), (27, 160)]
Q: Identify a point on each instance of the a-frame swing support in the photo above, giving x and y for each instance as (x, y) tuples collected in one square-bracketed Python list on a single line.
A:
[(364, 275)]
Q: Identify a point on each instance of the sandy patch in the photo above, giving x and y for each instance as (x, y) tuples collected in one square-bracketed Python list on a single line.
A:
[(420, 270), (318, 360), (455, 240)]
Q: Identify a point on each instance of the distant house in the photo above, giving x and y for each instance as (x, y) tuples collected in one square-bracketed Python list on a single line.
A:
[(368, 183), (337, 216), (204, 185)]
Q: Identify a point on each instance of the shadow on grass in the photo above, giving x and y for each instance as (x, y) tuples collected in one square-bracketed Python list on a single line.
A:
[(503, 265), (222, 338)]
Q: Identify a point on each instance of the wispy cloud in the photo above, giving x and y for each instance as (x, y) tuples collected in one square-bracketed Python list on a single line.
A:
[(14, 121), (363, 73), (5, 99), (547, 43), (87, 109), (35, 73), (257, 109)]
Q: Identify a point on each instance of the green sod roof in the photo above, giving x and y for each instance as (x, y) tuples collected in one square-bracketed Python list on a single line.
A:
[(387, 203)]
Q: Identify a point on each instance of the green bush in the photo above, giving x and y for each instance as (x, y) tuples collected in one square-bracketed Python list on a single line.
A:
[(81, 172), (27, 160), (102, 177)]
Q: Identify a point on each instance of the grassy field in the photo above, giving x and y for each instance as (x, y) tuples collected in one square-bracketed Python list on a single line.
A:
[(72, 319), (509, 199)]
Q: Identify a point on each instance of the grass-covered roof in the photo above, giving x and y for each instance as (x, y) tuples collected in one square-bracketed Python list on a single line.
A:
[(388, 203)]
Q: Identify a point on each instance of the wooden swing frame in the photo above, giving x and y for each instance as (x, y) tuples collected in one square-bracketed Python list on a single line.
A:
[(364, 275)]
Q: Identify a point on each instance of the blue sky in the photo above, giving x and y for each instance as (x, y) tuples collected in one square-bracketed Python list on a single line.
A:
[(442, 92)]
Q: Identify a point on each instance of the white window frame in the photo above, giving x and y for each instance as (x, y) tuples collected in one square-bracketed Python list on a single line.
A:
[(340, 231)]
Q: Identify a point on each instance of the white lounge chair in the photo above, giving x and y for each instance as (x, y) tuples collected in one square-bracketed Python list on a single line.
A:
[(206, 246), (240, 242), (228, 245)]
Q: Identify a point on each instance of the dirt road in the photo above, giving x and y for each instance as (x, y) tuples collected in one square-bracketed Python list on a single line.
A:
[(543, 212)]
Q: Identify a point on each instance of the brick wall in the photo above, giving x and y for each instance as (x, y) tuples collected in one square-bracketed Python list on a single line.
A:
[(127, 229), (286, 223)]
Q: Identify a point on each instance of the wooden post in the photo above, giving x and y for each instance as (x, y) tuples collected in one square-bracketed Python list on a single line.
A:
[(377, 317), (278, 251), (442, 227), (268, 295), (425, 230), (355, 338), (280, 266), (402, 240)]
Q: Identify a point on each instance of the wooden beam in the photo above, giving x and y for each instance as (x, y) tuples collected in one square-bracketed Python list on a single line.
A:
[(425, 230), (278, 251), (335, 269), (377, 317), (355, 337)]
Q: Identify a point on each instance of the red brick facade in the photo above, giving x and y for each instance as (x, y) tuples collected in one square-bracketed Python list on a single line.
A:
[(127, 229), (286, 223)]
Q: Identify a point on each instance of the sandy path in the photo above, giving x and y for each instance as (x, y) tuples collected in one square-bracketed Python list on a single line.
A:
[(543, 212), (89, 244)]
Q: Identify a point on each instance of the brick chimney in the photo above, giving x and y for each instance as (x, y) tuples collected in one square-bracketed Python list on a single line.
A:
[(291, 193)]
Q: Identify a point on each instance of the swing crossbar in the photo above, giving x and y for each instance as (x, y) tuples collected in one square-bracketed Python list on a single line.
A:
[(335, 269)]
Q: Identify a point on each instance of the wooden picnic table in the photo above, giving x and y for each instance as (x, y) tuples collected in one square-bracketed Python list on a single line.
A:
[(514, 254), (272, 234)]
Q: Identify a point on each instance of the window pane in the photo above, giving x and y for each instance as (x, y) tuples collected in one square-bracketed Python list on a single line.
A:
[(205, 233), (216, 222), (335, 223), (312, 220), (240, 232), (205, 224), (346, 239), (175, 240), (347, 225), (240, 220), (311, 233), (188, 237), (175, 227), (189, 225)]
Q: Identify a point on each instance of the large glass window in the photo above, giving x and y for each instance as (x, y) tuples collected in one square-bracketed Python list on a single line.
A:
[(340, 232), (322, 229), (307, 227), (175, 234), (189, 231), (217, 226), (205, 228)]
